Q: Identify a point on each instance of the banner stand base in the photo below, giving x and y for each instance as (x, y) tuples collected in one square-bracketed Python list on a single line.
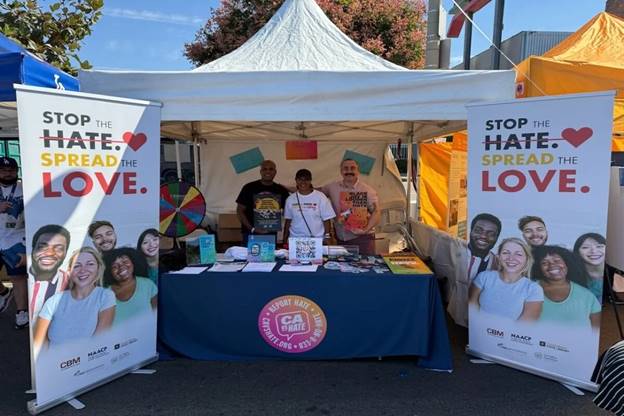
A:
[(36, 408), (31, 391), (148, 371), (76, 404), (586, 385), (480, 361), (573, 389)]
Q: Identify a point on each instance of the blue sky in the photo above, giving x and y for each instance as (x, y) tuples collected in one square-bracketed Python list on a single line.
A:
[(150, 35)]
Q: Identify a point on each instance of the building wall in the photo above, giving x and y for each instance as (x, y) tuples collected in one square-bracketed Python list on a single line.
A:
[(518, 47)]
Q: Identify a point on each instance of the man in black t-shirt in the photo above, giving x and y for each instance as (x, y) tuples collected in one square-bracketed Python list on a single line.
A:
[(260, 203)]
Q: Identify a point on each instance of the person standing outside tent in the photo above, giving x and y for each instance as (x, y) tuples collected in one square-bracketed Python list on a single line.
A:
[(260, 203), (356, 205), (12, 238)]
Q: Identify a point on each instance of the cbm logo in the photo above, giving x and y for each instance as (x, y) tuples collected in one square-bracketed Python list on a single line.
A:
[(70, 363), (495, 332)]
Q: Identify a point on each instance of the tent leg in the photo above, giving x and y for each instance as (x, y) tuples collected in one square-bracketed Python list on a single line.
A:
[(408, 204), (196, 162), (195, 133), (178, 163)]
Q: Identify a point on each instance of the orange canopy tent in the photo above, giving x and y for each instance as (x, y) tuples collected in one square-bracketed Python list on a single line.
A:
[(591, 59)]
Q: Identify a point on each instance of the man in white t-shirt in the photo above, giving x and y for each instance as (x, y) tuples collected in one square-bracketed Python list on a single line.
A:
[(12, 235), (307, 212)]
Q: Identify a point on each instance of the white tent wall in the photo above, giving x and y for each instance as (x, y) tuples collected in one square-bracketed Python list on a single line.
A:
[(220, 184)]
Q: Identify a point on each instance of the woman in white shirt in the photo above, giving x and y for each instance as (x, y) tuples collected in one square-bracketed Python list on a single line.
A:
[(307, 212), (508, 291), (82, 311)]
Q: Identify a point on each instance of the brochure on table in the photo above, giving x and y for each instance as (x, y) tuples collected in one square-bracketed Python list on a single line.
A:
[(261, 248), (201, 250), (406, 264), (305, 250)]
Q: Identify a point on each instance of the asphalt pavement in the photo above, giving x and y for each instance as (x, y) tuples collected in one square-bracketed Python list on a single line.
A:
[(340, 388)]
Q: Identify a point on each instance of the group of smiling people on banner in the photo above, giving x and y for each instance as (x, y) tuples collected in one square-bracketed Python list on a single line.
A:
[(105, 285), (529, 280)]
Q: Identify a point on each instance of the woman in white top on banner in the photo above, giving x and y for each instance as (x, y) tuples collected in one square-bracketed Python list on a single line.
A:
[(86, 309), (307, 212), (508, 291)]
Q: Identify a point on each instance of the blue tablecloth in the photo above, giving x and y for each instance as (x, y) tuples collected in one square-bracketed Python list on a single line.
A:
[(214, 316)]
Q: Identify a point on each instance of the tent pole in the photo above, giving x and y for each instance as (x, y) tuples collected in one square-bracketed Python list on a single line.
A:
[(408, 205), (195, 135), (178, 163), (196, 162)]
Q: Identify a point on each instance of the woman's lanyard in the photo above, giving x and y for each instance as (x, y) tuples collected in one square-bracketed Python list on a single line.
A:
[(303, 216), (8, 224)]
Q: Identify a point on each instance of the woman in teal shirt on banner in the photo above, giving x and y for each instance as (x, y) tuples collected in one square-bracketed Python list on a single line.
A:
[(566, 300), (148, 245), (590, 249), (136, 295)]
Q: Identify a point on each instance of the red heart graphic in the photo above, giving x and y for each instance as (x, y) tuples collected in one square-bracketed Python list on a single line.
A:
[(135, 141), (577, 137)]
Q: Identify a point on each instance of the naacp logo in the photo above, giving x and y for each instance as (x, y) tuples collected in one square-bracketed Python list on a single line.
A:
[(95, 354), (292, 324), (521, 339)]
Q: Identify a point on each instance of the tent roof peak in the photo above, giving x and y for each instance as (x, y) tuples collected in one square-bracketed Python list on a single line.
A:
[(299, 37)]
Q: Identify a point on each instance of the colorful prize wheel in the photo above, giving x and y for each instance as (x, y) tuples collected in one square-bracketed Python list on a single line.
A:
[(182, 209)]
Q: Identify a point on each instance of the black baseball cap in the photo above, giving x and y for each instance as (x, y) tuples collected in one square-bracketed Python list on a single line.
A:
[(303, 174), (8, 162)]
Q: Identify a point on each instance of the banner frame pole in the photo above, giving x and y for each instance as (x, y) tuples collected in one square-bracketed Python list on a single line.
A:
[(34, 408), (592, 387)]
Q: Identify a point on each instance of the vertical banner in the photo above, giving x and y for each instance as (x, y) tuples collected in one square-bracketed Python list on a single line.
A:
[(538, 195), (91, 173)]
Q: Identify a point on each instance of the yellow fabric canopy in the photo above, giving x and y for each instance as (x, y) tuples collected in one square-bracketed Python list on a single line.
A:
[(591, 59), (434, 161)]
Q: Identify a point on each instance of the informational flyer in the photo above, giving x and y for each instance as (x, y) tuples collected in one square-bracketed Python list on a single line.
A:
[(538, 191), (91, 182), (267, 212), (353, 210), (406, 264)]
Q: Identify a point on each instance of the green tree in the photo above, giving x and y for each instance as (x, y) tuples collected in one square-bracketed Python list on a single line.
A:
[(392, 29), (53, 34)]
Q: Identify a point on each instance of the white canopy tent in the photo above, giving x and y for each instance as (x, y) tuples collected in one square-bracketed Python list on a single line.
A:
[(300, 78)]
